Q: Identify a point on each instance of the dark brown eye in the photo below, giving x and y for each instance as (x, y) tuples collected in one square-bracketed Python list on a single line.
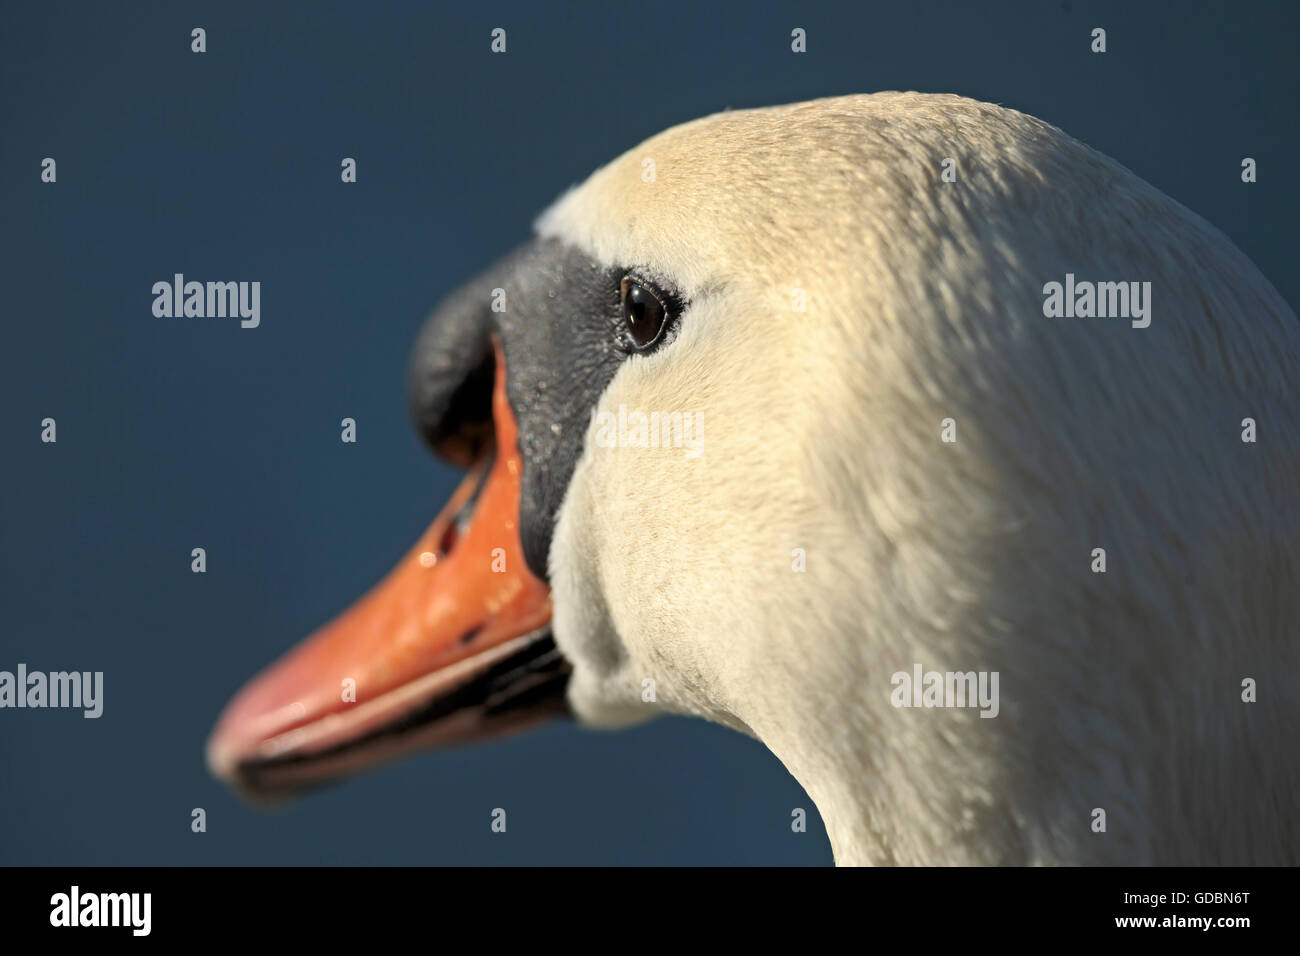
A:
[(644, 314)]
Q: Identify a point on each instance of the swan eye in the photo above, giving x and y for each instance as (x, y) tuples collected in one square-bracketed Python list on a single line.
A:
[(644, 313)]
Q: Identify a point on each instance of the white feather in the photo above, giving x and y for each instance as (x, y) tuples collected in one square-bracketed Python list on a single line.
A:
[(821, 431)]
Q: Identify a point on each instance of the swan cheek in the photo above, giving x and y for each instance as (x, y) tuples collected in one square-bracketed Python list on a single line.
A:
[(603, 691)]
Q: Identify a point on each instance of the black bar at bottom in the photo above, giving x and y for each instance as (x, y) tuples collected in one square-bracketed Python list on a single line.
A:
[(324, 904)]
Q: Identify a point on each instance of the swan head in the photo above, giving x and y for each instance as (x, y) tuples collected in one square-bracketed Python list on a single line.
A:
[(705, 410)]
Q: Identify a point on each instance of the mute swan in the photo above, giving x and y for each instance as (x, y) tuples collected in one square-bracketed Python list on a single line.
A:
[(903, 457)]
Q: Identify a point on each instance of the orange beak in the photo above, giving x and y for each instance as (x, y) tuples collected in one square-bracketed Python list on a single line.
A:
[(453, 645)]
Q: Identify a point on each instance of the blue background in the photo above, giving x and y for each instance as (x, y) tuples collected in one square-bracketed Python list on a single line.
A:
[(177, 434)]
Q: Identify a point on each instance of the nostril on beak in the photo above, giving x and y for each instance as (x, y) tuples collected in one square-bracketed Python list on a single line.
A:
[(460, 524), (449, 538)]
